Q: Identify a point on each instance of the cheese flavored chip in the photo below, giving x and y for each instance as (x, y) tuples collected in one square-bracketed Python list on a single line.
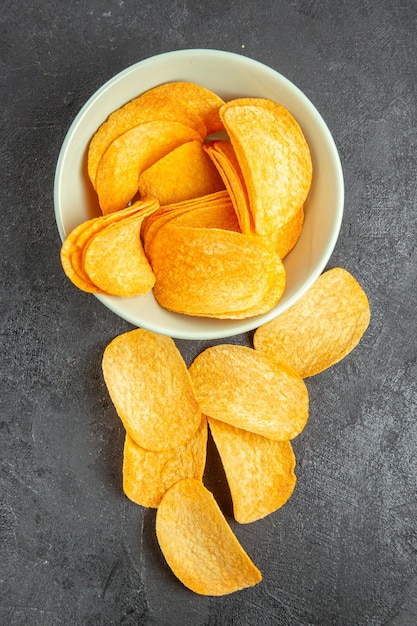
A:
[(147, 474), (151, 389), (274, 157), (321, 328), (137, 149), (184, 173), (250, 390), (199, 545), (259, 471), (214, 273)]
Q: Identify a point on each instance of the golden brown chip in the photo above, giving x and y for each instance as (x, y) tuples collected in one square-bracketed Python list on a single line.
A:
[(147, 474), (117, 180), (199, 545), (213, 202), (250, 390), (274, 157), (184, 173), (287, 236), (284, 238), (220, 214), (224, 158), (71, 260), (201, 100), (214, 273), (151, 389), (259, 471), (321, 328), (153, 105), (73, 247), (189, 104), (115, 261)]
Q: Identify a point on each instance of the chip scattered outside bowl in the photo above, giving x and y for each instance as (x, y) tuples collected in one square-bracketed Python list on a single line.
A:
[(321, 328), (199, 545), (229, 76), (259, 471), (250, 390), (147, 475), (151, 389)]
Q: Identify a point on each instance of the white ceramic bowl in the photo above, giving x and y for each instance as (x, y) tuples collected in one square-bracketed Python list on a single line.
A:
[(229, 75)]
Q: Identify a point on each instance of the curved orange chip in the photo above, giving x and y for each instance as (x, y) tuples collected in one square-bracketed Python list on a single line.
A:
[(184, 173), (250, 390), (199, 545), (274, 157), (285, 238), (204, 102), (214, 273), (224, 158), (115, 261), (183, 102), (71, 258), (321, 328), (151, 389), (118, 174), (161, 103), (259, 471), (147, 475), (72, 249), (214, 211)]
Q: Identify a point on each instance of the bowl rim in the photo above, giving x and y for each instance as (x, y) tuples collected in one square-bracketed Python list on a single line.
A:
[(237, 326)]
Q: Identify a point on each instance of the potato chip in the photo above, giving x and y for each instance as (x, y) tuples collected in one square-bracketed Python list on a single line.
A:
[(117, 180), (220, 215), (250, 390), (204, 102), (71, 260), (224, 158), (73, 247), (151, 389), (199, 545), (184, 173), (214, 273), (285, 238), (259, 471), (274, 157), (115, 261), (321, 328), (189, 104), (181, 94), (214, 204), (147, 474), (153, 105)]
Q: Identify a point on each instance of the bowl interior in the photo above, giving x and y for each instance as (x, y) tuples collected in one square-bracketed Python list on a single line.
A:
[(230, 76)]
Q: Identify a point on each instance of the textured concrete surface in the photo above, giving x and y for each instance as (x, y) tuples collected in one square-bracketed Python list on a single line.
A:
[(73, 549)]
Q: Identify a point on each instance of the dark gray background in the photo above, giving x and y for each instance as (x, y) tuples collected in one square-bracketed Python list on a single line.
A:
[(73, 549)]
